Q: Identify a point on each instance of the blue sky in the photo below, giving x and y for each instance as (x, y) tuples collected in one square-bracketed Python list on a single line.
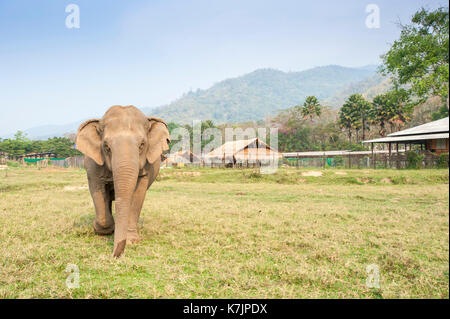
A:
[(148, 53)]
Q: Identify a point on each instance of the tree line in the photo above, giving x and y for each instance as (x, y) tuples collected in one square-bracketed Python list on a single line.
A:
[(62, 147)]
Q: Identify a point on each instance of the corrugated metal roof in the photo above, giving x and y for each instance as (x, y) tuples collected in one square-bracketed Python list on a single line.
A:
[(408, 138), (438, 126), (316, 153), (332, 153)]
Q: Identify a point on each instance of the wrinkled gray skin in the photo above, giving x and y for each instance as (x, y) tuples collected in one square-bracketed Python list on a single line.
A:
[(122, 159)]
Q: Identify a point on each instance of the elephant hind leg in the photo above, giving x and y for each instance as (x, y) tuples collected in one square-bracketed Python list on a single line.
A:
[(103, 230)]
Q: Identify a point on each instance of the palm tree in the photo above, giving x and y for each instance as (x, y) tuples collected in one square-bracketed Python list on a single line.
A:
[(357, 109), (381, 112), (311, 108), (346, 119)]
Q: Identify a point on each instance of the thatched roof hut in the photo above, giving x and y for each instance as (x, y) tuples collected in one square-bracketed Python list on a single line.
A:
[(242, 151), (182, 157)]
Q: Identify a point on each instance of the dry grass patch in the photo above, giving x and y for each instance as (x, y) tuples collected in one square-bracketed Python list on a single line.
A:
[(312, 173), (226, 235)]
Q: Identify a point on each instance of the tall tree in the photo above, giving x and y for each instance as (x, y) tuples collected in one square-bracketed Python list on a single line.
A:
[(311, 107), (401, 107), (20, 136), (346, 119), (392, 108), (381, 112), (420, 57), (356, 110)]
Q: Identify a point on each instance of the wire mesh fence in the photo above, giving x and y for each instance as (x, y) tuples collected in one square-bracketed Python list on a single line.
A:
[(75, 161)]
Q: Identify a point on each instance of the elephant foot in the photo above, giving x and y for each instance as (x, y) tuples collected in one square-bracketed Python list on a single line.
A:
[(133, 238), (99, 229), (119, 248)]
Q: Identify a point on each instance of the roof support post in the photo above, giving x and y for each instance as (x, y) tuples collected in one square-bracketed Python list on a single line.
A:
[(390, 154), (373, 158), (398, 157)]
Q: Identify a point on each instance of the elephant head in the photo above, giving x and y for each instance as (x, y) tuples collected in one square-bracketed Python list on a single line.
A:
[(123, 141)]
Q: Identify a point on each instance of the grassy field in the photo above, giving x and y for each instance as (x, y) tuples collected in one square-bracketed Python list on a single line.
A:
[(216, 233)]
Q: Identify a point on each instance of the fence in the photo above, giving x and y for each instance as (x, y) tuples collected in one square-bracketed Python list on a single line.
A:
[(380, 159), (75, 161)]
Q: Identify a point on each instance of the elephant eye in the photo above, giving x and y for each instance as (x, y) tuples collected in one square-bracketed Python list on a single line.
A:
[(141, 147), (107, 149)]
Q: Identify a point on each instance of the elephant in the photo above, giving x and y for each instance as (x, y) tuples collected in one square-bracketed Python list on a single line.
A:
[(123, 153)]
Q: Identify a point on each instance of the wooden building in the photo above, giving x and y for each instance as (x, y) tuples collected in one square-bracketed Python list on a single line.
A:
[(42, 155)]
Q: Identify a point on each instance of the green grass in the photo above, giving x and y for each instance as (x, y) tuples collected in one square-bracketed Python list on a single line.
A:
[(223, 233)]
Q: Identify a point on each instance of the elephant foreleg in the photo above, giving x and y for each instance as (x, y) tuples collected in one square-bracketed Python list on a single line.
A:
[(136, 207), (102, 197)]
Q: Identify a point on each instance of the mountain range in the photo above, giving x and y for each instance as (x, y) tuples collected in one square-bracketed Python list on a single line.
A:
[(254, 96), (263, 92)]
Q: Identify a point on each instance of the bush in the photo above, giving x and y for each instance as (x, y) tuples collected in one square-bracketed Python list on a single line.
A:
[(443, 160), (338, 161), (13, 164), (254, 175), (414, 159)]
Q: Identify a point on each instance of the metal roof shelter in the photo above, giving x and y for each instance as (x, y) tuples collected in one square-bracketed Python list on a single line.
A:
[(432, 137), (429, 131), (329, 153), (415, 139), (439, 126)]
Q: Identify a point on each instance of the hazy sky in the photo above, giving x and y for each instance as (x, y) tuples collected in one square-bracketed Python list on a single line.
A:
[(148, 53)]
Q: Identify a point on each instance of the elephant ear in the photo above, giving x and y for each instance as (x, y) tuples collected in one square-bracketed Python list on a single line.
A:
[(158, 139), (89, 142)]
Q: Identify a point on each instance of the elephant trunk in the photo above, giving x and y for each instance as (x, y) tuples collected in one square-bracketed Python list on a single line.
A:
[(125, 168)]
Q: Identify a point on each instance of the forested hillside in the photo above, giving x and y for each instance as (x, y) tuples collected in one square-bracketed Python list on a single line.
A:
[(255, 95), (369, 88)]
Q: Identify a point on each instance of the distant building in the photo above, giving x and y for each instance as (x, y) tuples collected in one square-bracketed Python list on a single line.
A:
[(431, 136), (185, 157), (42, 155), (243, 151), (3, 158)]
